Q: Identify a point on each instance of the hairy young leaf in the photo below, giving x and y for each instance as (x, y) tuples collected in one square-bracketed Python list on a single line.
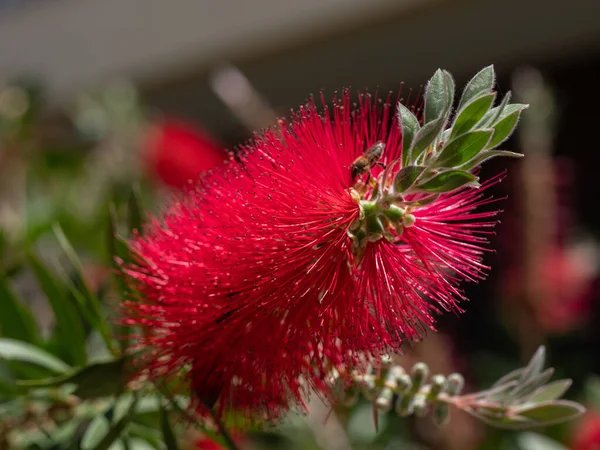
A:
[(464, 148), (447, 181), (409, 125), (472, 114), (481, 83), (436, 97), (424, 138), (406, 177)]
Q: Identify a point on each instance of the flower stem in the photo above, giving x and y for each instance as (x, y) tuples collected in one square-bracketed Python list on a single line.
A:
[(231, 445)]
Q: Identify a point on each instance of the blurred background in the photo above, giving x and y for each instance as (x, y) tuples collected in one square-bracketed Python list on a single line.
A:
[(97, 96)]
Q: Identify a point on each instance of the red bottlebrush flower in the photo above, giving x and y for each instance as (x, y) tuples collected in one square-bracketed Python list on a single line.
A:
[(290, 261), (586, 435), (176, 153)]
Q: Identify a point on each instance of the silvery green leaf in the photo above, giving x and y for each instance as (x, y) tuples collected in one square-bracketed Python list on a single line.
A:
[(406, 177), (450, 88), (504, 128), (488, 154), (464, 148), (480, 84), (409, 125), (494, 114), (424, 138), (14, 350), (95, 431), (436, 97), (549, 413), (472, 114), (535, 366), (447, 181), (549, 392), (534, 441), (505, 422), (511, 376), (523, 390)]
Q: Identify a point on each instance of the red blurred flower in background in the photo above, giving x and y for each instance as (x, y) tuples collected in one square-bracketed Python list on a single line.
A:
[(274, 269), (586, 435), (177, 153)]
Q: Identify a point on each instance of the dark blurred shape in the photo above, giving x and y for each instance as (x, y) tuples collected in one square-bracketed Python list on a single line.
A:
[(176, 153)]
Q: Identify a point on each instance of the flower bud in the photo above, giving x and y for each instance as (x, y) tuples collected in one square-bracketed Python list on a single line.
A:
[(455, 384)]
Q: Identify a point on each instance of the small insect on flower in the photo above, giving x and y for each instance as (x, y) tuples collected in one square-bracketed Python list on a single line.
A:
[(365, 162), (281, 265)]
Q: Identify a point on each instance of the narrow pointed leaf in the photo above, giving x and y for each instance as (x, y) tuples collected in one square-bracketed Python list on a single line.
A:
[(95, 432), (523, 390), (504, 128), (424, 138), (472, 114), (115, 431), (14, 350), (435, 97), (549, 392), (494, 114), (535, 366), (89, 302), (464, 148), (136, 215), (409, 125), (549, 413), (481, 83), (450, 87), (68, 328), (406, 177), (488, 154), (16, 320), (447, 181), (93, 381)]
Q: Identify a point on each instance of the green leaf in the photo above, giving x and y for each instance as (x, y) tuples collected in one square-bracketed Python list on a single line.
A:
[(464, 148), (409, 125), (13, 350), (534, 441), (88, 301), (488, 154), (450, 87), (436, 97), (494, 114), (504, 128), (136, 216), (69, 329), (447, 181), (550, 413), (16, 320), (93, 381), (114, 432), (406, 177), (549, 392), (169, 436), (95, 432), (472, 114), (535, 366), (524, 389), (481, 83), (424, 138), (507, 423)]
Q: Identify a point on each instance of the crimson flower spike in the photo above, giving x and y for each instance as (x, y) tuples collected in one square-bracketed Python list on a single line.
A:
[(331, 239)]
